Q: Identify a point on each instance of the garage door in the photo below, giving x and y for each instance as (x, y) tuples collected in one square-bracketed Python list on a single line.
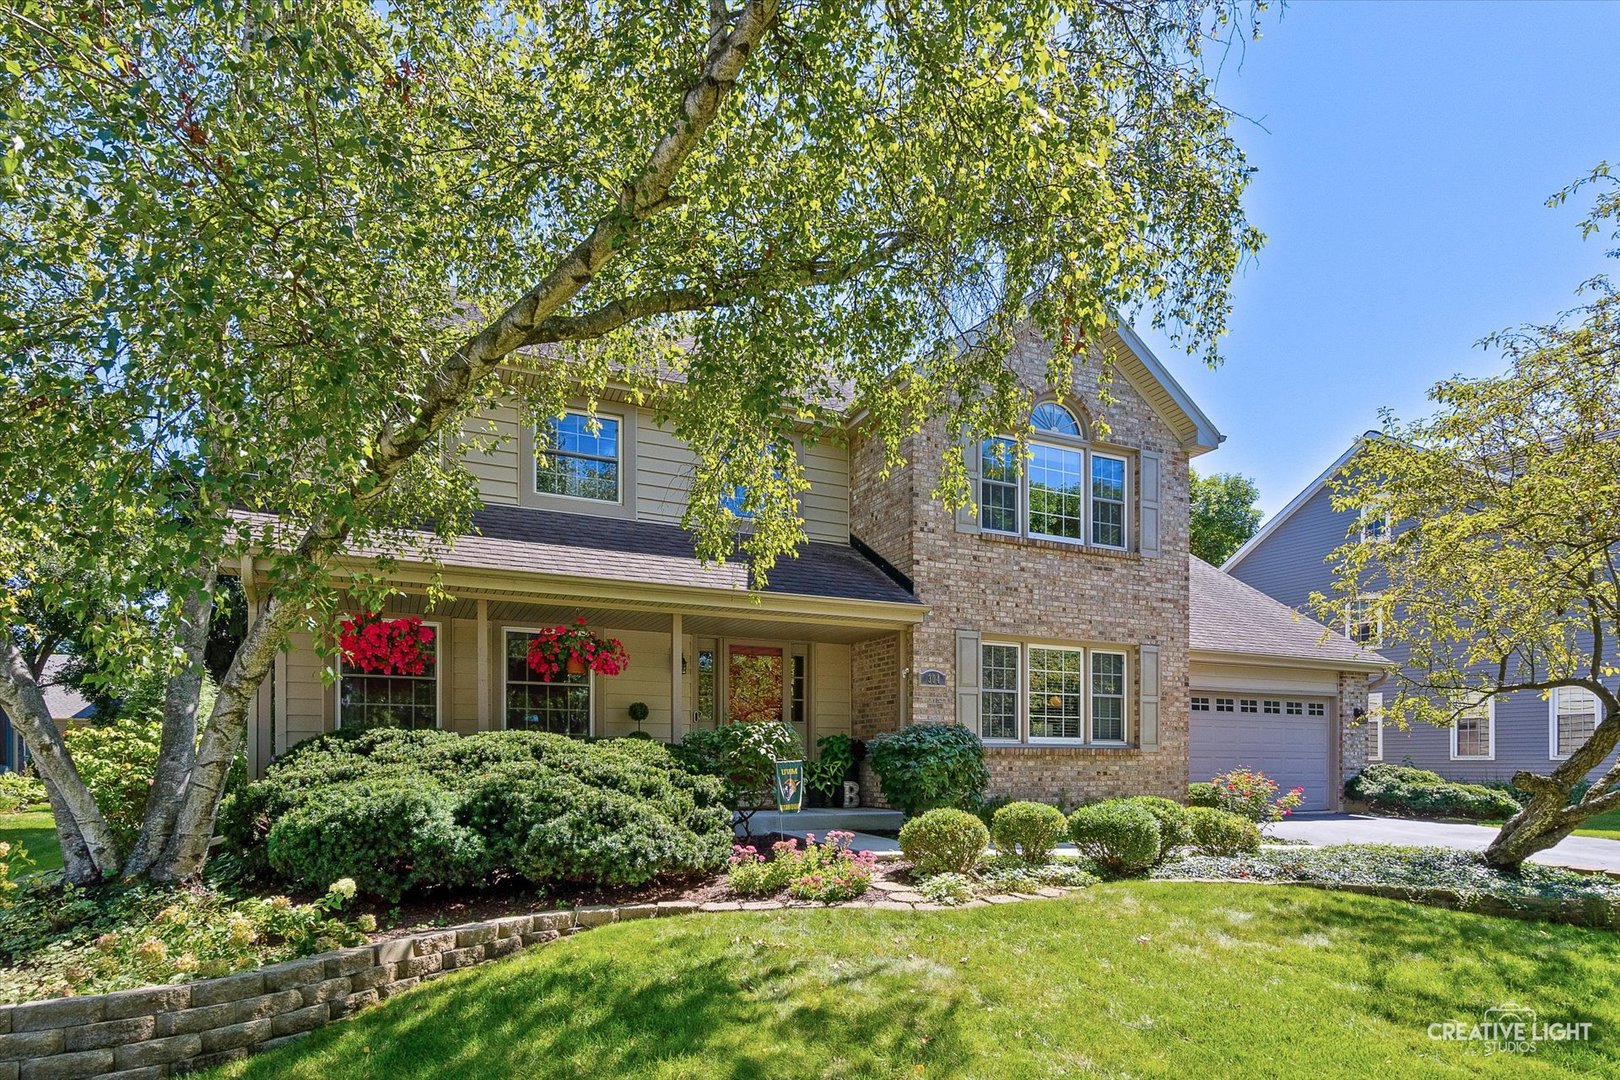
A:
[(1284, 737)]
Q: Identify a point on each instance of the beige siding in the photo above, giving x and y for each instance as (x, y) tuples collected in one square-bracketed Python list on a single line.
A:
[(826, 502), (307, 709), (495, 464), (1262, 677), (664, 467), (830, 697), (645, 680), (460, 695)]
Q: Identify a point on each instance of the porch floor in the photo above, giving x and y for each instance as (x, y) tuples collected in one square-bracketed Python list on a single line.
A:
[(822, 819)]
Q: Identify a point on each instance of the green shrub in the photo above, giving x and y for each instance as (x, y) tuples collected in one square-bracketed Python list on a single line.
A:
[(923, 767), (400, 811), (947, 889), (1202, 794), (117, 762), (1253, 794), (943, 841), (1029, 830), (833, 765), (1220, 832), (19, 791), (1117, 834), (1401, 789), (1175, 830), (742, 755)]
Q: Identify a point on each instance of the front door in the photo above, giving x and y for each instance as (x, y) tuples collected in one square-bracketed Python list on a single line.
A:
[(754, 683)]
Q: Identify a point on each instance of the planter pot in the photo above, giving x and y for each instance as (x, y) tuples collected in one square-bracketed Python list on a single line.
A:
[(576, 666)]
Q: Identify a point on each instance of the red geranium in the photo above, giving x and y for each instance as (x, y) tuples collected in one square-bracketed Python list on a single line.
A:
[(381, 646), (551, 651)]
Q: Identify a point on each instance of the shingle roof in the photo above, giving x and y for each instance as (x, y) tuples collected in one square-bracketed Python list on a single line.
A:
[(1227, 616), (61, 701)]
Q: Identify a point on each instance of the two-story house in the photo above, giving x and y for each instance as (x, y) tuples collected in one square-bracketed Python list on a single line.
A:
[(1054, 621), (1288, 559)]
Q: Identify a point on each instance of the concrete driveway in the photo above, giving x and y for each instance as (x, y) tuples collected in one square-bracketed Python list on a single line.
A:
[(1578, 852)]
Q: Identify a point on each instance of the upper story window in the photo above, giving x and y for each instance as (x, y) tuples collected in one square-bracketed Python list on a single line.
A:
[(1065, 490), (578, 456), (1364, 621)]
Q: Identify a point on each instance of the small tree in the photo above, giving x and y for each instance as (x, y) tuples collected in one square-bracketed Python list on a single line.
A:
[(1222, 513), (1502, 573)]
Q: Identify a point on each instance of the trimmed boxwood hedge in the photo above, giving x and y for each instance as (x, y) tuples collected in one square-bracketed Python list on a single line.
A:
[(400, 811), (1401, 789)]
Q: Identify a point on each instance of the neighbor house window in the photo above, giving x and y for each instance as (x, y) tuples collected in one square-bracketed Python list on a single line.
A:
[(1107, 697), (404, 701), (1575, 712), (1364, 623), (1048, 693), (998, 696), (561, 706), (1375, 727), (578, 456), (1056, 693), (1473, 735), (1063, 490)]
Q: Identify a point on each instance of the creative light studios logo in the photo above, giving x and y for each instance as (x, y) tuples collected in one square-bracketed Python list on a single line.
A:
[(1510, 1029)]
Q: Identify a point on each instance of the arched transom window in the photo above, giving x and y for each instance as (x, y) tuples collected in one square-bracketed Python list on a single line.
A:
[(1064, 489)]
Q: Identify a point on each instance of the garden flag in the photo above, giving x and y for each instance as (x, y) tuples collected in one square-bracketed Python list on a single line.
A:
[(789, 786)]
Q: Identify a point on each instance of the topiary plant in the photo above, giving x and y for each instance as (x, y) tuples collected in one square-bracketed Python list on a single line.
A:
[(1029, 830), (944, 841), (925, 766), (1117, 834), (638, 712), (1221, 832), (1175, 831)]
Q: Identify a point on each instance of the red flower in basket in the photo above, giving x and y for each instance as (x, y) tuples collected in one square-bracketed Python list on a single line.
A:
[(381, 646), (575, 650)]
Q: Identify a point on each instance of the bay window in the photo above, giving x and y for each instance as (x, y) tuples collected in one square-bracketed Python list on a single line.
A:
[(1059, 694), (1062, 490)]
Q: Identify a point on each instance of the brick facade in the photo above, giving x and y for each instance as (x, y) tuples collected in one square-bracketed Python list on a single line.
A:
[(1013, 588)]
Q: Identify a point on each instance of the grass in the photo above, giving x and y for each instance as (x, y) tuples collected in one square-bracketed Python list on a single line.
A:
[(36, 831), (1605, 825), (1138, 979)]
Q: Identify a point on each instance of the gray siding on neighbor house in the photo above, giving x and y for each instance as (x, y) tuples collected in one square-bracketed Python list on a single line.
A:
[(1292, 563)]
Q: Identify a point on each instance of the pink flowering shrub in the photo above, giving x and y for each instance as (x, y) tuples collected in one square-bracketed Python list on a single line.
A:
[(826, 872), (1249, 793)]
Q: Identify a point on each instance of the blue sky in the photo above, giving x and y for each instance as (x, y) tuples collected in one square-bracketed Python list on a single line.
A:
[(1405, 152)]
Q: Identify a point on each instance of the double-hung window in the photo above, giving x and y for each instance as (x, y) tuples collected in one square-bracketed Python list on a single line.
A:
[(1574, 718), (1473, 735), (578, 456), (1052, 694), (1063, 490), (368, 700), (561, 706), (1375, 726)]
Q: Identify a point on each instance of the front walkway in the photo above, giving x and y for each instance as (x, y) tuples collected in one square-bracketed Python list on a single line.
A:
[(1577, 852)]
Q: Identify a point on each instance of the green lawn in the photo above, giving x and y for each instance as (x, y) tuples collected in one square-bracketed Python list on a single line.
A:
[(1138, 979), (1605, 825), (36, 830)]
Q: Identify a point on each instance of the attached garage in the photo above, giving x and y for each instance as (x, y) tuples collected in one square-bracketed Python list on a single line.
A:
[(1286, 737), (1272, 690)]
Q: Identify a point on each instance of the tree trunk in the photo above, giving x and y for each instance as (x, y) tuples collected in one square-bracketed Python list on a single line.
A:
[(177, 753), (89, 851), (1542, 823), (1549, 816)]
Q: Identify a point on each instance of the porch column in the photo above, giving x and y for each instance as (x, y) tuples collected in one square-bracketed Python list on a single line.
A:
[(483, 666), (677, 682)]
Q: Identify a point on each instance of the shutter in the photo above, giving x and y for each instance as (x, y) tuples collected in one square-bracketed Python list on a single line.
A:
[(1148, 502), (1147, 715), (967, 518), (967, 679)]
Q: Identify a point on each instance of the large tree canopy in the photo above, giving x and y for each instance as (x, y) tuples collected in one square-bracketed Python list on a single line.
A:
[(1502, 571), (1222, 514), (268, 255)]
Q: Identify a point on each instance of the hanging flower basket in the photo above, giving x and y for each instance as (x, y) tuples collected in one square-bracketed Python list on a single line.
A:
[(575, 650), (381, 646)]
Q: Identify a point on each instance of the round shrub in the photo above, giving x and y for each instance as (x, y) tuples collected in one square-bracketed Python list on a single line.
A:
[(405, 810), (1117, 834), (1029, 830), (1203, 794), (944, 841), (925, 766), (1400, 789), (1175, 831), (1221, 832)]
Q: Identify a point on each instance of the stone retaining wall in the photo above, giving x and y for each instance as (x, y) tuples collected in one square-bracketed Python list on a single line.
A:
[(157, 1031)]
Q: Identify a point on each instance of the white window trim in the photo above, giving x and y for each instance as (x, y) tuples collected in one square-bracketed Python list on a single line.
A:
[(1377, 639), (1125, 504), (1490, 720), (619, 459), (1552, 719), (1375, 716), (590, 680), (439, 661), (1024, 737), (1389, 523), (1124, 698), (1082, 445)]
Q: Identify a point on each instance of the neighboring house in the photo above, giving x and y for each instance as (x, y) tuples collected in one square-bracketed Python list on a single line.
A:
[(64, 703), (1288, 561), (1055, 624)]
